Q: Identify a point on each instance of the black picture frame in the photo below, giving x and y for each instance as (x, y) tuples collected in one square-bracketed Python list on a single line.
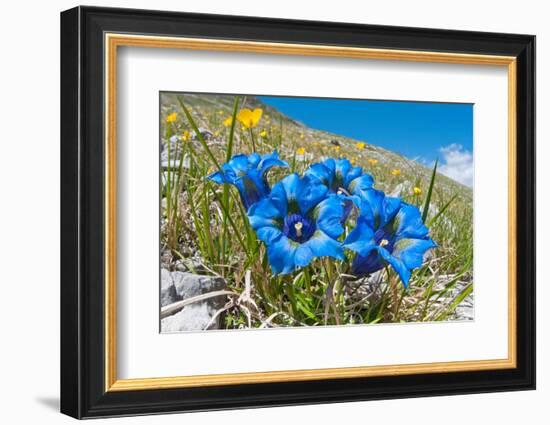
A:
[(83, 392)]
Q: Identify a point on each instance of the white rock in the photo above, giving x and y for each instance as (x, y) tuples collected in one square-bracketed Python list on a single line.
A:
[(190, 285), (194, 317), (179, 285), (168, 294)]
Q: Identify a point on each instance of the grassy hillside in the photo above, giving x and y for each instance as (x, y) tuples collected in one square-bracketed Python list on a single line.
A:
[(197, 235)]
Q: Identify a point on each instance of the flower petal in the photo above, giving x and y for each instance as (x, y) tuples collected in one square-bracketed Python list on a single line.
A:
[(303, 255), (321, 172), (239, 164), (264, 213), (408, 223), (252, 188), (284, 192), (370, 205), (390, 208), (268, 234), (361, 184), (245, 117), (370, 263), (361, 238), (398, 265), (411, 251), (253, 160), (330, 163), (354, 173), (281, 255), (309, 192), (270, 160), (342, 169), (324, 246), (255, 116), (329, 214), (217, 177)]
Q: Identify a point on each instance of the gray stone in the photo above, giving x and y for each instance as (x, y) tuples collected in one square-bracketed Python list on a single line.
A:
[(178, 285), (168, 294), (190, 285), (194, 317)]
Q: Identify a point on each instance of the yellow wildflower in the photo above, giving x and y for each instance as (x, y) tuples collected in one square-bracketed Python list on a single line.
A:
[(263, 133), (396, 172), (336, 148), (185, 136), (248, 118), (300, 151), (228, 121), (172, 117), (373, 161), (417, 190), (352, 160), (360, 145)]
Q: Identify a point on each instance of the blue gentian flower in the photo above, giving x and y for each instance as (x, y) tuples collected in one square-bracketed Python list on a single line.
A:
[(248, 173), (340, 175), (298, 221), (388, 231), (342, 178)]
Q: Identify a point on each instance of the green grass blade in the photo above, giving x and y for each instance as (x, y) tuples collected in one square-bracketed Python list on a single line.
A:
[(429, 194), (459, 298), (231, 223), (229, 152), (225, 195), (434, 219)]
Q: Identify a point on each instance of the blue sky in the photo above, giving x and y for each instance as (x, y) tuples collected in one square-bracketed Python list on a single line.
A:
[(414, 129), (418, 130)]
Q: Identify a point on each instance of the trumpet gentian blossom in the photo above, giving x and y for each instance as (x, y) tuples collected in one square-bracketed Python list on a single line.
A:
[(298, 221), (388, 231), (340, 175), (248, 173)]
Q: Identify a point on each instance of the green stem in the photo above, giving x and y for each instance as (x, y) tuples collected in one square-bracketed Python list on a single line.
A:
[(307, 279), (252, 139), (292, 297)]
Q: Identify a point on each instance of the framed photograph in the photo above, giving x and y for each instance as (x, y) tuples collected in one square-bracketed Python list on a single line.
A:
[(261, 212)]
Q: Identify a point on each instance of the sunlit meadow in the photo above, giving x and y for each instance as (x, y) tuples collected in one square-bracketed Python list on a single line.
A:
[(301, 227)]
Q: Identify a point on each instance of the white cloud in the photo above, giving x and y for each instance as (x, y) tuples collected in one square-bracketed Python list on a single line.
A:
[(457, 163)]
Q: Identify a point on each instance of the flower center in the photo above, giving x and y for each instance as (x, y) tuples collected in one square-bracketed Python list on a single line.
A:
[(384, 239), (298, 228)]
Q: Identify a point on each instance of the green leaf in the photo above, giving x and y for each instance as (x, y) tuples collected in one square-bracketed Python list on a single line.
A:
[(306, 311), (434, 219), (232, 130), (459, 298), (429, 194)]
